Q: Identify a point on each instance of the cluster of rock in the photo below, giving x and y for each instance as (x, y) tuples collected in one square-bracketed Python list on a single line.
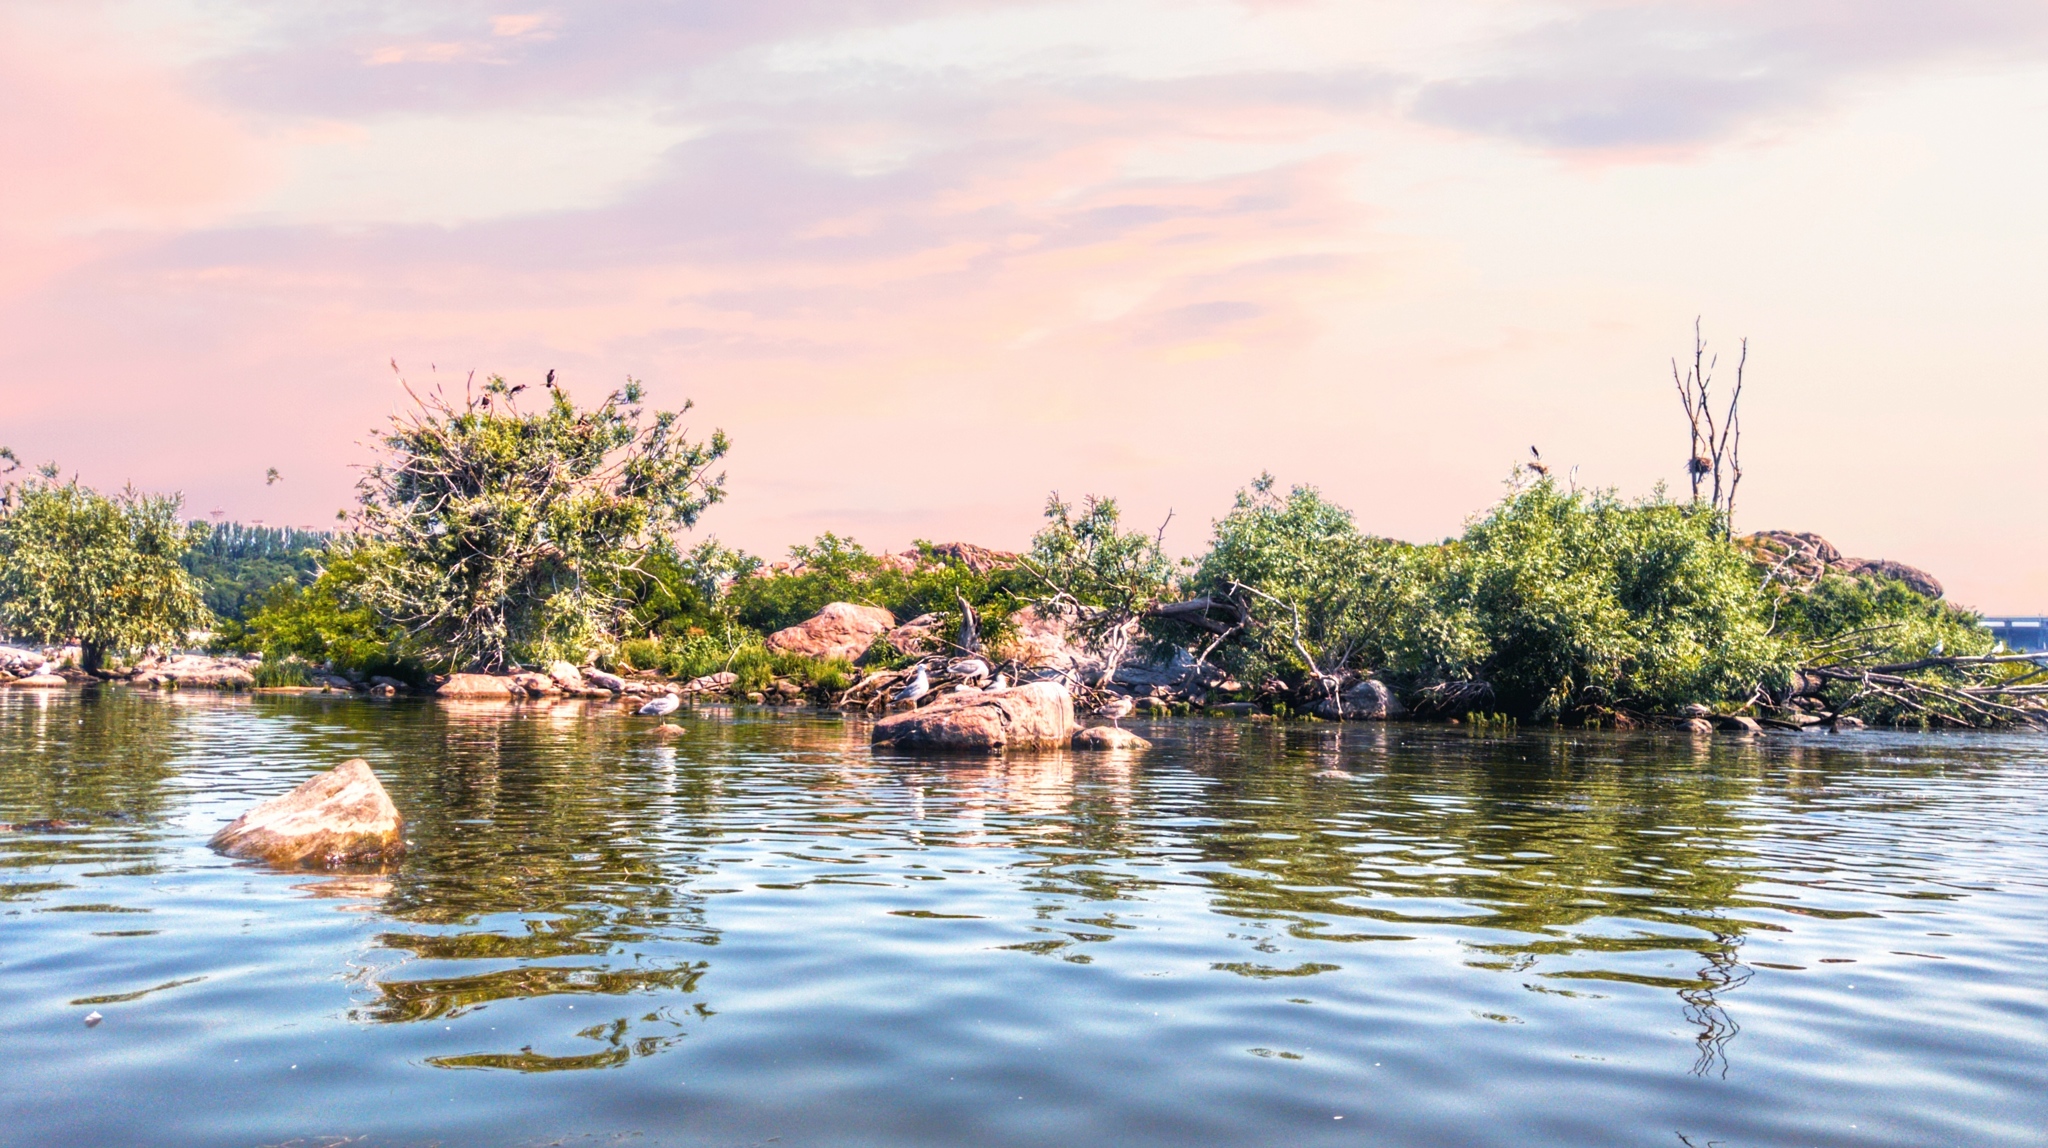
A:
[(1802, 559), (195, 671), (31, 669), (561, 679)]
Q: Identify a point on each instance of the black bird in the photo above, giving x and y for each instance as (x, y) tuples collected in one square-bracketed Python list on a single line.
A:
[(551, 378)]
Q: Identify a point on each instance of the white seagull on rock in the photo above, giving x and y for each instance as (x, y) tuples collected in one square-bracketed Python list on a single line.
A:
[(662, 706), (916, 688)]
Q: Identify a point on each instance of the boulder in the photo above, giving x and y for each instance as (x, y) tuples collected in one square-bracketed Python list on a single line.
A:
[(1696, 725), (39, 682), (1917, 580), (918, 636), (341, 817), (535, 685), (1843, 722), (1802, 559), (667, 730), (716, 683), (978, 559), (1738, 724), (475, 686), (1176, 668), (605, 681), (1043, 645), (1368, 700), (1108, 737), (1035, 716), (566, 677), (840, 630), (195, 671)]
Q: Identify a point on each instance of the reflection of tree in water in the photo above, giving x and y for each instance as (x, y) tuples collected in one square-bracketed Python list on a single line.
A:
[(550, 858), (1548, 839), (1723, 973), (100, 759)]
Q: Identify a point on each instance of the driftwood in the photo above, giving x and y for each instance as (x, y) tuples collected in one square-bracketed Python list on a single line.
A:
[(1972, 702)]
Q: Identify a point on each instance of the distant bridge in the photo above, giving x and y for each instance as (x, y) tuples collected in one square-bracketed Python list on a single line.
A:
[(2021, 634)]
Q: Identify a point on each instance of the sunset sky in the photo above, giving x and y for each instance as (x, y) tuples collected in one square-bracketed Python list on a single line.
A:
[(927, 261)]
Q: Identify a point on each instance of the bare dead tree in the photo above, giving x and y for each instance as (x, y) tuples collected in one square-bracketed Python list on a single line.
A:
[(1716, 455)]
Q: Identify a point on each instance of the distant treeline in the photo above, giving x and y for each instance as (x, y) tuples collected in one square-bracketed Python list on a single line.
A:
[(236, 564)]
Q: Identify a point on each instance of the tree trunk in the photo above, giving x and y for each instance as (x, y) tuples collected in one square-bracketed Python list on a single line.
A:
[(91, 655)]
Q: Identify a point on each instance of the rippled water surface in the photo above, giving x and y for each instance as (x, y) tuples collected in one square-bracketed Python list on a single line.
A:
[(1254, 934)]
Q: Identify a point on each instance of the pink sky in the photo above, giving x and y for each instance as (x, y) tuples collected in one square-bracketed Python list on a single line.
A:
[(927, 261)]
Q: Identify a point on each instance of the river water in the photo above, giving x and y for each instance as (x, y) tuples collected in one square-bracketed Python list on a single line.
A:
[(1256, 934)]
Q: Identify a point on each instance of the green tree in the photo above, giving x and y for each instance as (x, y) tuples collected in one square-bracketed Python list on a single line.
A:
[(1317, 598), (1089, 567), (506, 536), (105, 571), (1579, 599)]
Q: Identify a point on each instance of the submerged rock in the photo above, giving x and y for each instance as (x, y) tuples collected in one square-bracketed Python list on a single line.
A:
[(840, 630), (341, 817), (1369, 700), (1035, 716), (39, 682), (475, 686), (1108, 737)]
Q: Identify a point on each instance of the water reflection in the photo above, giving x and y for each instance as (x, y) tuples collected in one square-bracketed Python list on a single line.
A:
[(560, 855)]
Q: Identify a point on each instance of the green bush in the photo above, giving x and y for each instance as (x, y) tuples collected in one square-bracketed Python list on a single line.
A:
[(285, 671)]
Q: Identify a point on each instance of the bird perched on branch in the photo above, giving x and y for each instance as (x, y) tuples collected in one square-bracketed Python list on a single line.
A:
[(1116, 709), (915, 688), (1536, 461), (667, 703)]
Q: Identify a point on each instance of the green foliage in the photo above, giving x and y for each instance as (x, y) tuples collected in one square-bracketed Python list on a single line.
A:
[(1866, 620), (288, 671), (1880, 619), (1581, 599), (327, 622), (76, 564), (1089, 560), (508, 536), (236, 565), (1558, 601), (834, 569), (1360, 600)]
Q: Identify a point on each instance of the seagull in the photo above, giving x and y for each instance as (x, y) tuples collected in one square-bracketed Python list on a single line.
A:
[(1938, 648), (48, 669), (916, 688), (1116, 709), (972, 668), (1001, 683), (667, 703)]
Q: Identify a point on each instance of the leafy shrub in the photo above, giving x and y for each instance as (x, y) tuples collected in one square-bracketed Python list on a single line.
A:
[(286, 671)]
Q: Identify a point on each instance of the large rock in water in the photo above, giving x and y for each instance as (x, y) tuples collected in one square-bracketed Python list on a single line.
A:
[(1109, 737), (1037, 716), (1369, 700), (341, 817), (840, 630), (40, 682), (476, 686)]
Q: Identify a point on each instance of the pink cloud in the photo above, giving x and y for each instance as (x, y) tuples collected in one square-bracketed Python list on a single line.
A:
[(921, 299)]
